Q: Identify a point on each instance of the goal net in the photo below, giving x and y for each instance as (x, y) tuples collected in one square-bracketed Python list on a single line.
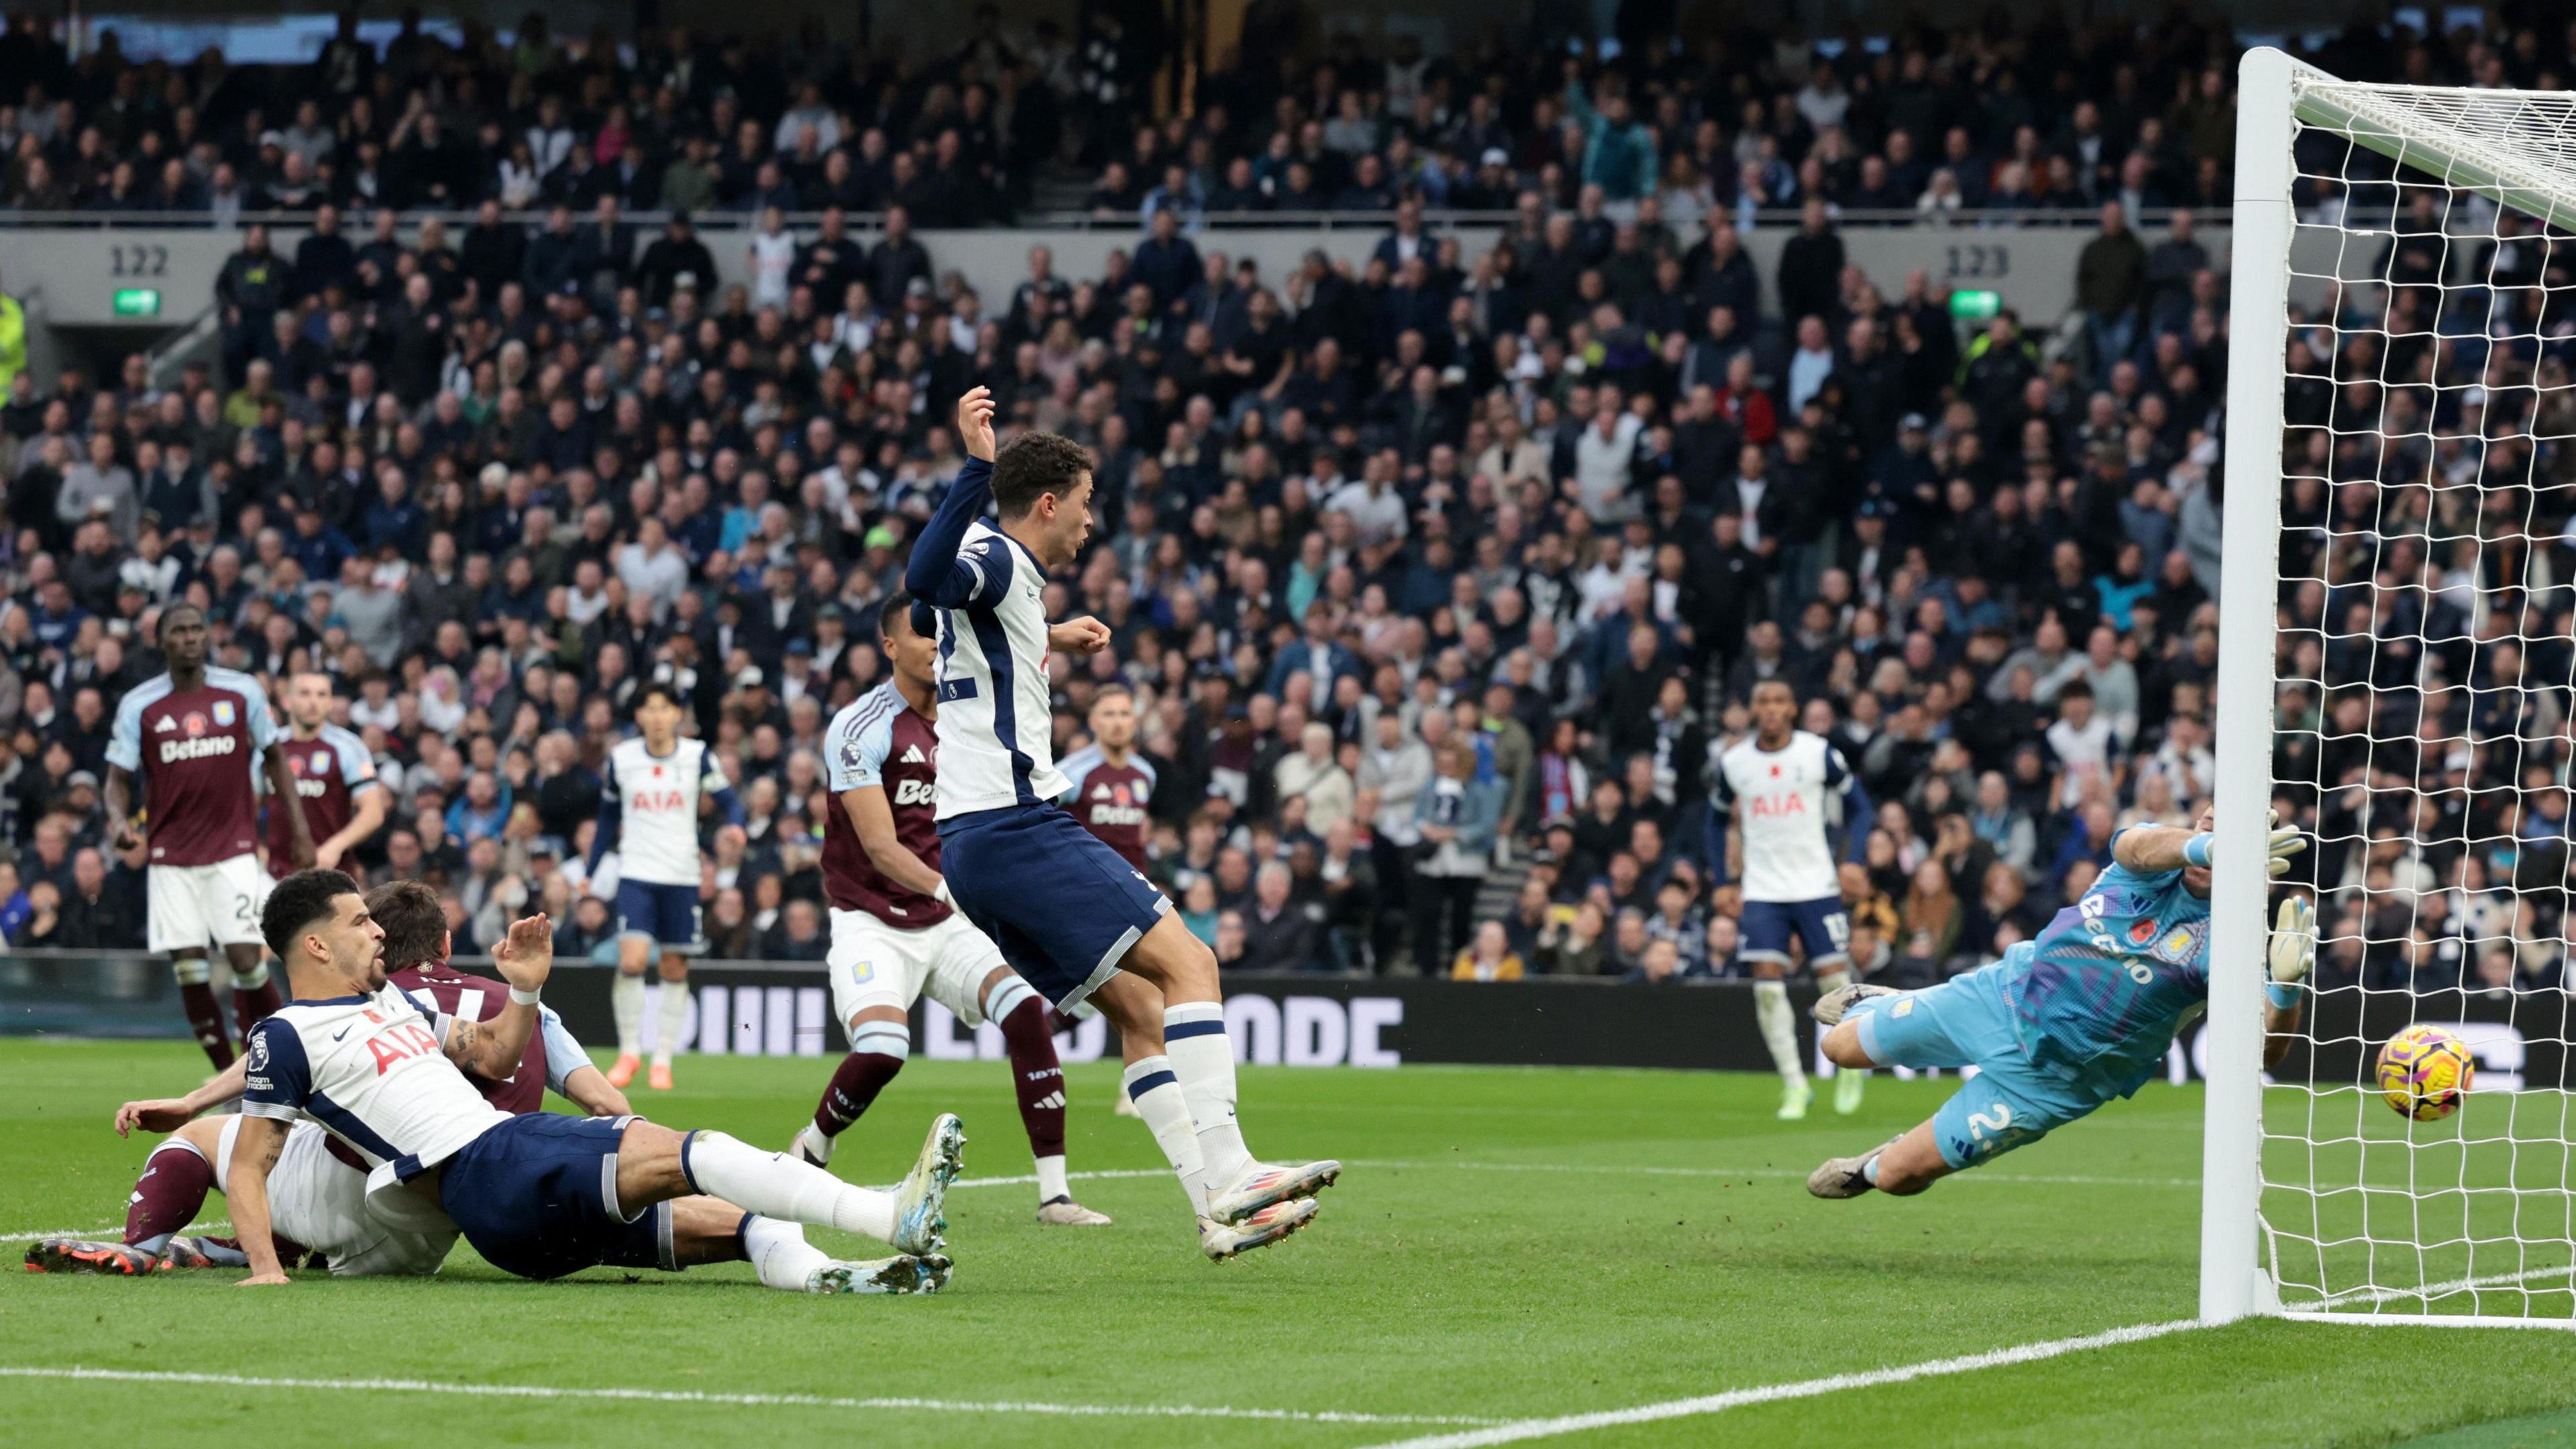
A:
[(2401, 472)]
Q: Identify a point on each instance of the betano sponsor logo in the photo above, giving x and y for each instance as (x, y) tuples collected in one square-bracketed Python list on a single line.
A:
[(197, 748)]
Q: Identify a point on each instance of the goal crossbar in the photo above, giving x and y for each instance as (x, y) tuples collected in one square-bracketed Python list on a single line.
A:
[(2447, 132)]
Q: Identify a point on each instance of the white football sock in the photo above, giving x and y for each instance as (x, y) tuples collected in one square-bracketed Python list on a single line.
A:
[(626, 1000), (1156, 1091), (776, 1185), (1203, 1058), (1051, 1183), (1779, 1029), (675, 1019), (779, 1253)]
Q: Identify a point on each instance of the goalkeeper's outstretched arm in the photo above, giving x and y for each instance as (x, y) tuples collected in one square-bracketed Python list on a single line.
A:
[(2155, 849), (2151, 849)]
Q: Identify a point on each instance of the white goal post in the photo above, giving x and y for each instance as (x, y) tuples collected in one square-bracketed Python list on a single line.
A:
[(2394, 673)]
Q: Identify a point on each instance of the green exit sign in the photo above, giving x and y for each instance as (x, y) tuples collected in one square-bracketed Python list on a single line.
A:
[(138, 302), (1977, 306)]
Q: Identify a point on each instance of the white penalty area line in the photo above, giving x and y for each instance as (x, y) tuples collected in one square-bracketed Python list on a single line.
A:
[(758, 1401), (1522, 1429)]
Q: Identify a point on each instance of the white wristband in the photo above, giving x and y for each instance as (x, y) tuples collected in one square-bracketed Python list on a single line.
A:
[(522, 998), (941, 895)]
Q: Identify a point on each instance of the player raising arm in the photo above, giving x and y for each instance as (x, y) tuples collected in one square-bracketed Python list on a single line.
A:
[(2074, 1018), (318, 1189), (200, 736), (1074, 919), (538, 1195), (895, 933)]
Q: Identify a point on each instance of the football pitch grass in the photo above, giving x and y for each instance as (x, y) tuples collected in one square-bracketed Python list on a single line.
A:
[(1506, 1246)]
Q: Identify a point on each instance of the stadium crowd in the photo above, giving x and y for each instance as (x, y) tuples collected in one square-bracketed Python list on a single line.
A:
[(1430, 575), (1940, 125)]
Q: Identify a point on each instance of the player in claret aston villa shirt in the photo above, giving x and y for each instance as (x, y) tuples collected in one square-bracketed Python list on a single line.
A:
[(335, 776), (197, 735), (1113, 786)]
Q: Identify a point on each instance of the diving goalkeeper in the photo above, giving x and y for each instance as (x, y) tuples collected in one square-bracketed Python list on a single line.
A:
[(2063, 1023)]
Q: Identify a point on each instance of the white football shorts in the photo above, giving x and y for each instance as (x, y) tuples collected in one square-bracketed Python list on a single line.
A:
[(321, 1202), (194, 906), (874, 964)]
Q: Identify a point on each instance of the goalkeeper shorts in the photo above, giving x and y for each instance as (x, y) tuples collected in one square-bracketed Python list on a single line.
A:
[(1967, 1022)]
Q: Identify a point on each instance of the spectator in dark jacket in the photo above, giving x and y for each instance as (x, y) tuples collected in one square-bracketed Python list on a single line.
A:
[(1278, 932)]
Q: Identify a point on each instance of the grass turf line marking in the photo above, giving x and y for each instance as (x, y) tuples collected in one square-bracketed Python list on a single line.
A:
[(2332, 1305), (2455, 1285), (1790, 1172), (1602, 1169), (1519, 1430), (90, 1233), (680, 1396)]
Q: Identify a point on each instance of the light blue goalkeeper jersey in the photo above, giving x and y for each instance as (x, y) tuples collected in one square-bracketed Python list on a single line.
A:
[(2098, 996)]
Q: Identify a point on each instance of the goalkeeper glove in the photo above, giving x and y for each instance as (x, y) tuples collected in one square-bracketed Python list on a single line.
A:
[(2286, 841), (2293, 951)]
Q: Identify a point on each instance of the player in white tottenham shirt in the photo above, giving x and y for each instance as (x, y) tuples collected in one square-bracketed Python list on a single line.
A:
[(656, 785), (538, 1194), (1074, 919), (896, 934), (1777, 787)]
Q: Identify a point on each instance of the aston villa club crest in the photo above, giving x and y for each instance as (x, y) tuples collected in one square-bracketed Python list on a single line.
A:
[(223, 714), (2181, 945)]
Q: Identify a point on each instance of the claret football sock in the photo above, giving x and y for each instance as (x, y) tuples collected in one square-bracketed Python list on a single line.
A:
[(878, 1050), (205, 1014), (176, 1178), (1036, 1075)]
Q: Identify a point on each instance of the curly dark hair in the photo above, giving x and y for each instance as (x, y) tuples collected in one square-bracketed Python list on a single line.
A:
[(297, 902), (1033, 465)]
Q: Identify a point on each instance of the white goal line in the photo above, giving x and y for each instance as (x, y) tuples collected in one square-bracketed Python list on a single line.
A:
[(760, 1401)]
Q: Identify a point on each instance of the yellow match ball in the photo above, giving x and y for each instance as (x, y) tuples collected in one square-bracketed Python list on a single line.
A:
[(2424, 1072)]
